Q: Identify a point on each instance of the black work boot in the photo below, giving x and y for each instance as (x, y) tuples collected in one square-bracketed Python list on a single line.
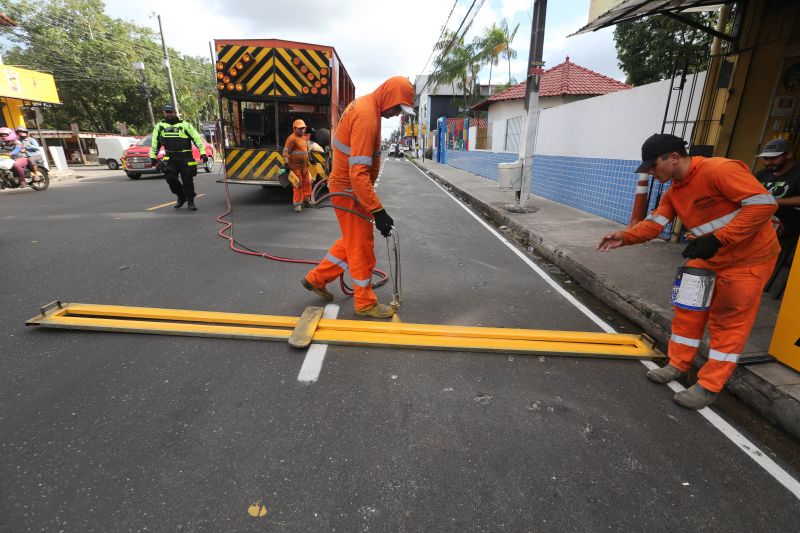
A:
[(180, 202), (192, 207)]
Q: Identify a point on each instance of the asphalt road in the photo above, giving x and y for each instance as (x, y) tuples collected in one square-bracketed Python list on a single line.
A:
[(124, 432)]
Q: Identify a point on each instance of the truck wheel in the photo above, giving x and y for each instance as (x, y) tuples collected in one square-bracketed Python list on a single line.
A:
[(133, 175), (112, 164)]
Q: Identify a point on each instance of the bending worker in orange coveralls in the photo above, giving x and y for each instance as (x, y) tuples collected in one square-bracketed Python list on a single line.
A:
[(728, 211), (295, 155), (356, 162)]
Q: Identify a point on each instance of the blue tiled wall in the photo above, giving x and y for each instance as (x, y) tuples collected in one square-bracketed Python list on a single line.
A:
[(605, 187), (480, 162)]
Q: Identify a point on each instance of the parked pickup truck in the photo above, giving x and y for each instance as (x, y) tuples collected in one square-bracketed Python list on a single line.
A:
[(136, 159)]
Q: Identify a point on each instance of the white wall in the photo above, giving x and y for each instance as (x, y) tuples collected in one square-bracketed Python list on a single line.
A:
[(499, 113), (614, 125)]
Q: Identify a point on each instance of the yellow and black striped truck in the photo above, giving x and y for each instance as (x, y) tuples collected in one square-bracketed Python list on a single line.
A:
[(263, 86)]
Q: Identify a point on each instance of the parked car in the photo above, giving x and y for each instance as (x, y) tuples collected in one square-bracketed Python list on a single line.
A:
[(395, 150), (136, 159), (111, 149)]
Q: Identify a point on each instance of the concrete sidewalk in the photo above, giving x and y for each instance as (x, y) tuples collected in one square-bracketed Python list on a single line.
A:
[(635, 281)]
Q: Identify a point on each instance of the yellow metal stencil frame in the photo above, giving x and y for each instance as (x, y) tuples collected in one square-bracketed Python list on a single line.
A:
[(184, 322)]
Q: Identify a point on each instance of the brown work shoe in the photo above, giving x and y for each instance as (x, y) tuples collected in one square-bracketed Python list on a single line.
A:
[(695, 397), (664, 374), (378, 310), (323, 293)]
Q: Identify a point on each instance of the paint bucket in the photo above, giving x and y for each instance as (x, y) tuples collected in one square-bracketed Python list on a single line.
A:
[(693, 288)]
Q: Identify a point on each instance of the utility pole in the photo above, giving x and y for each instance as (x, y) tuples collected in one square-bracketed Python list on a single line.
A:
[(535, 71), (139, 67), (167, 67)]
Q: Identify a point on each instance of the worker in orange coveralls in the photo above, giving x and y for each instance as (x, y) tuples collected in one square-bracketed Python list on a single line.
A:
[(728, 211), (295, 157), (356, 162)]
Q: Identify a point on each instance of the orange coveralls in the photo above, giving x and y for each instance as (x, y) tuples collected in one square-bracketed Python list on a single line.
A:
[(296, 151), (722, 197), (356, 162)]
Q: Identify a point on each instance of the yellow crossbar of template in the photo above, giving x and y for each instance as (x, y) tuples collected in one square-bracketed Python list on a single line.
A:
[(342, 332)]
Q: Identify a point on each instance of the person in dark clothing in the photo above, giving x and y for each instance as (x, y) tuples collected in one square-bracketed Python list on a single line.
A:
[(177, 136), (781, 177)]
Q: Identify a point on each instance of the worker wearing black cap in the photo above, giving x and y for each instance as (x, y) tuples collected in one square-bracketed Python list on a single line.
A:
[(177, 136), (728, 213)]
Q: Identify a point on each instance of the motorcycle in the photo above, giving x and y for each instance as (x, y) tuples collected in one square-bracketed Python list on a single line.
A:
[(8, 180)]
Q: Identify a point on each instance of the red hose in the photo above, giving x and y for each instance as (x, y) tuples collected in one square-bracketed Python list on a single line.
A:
[(240, 248)]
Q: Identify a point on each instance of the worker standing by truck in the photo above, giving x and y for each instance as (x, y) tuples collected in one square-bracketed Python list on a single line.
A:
[(356, 163), (728, 212), (295, 159), (177, 136)]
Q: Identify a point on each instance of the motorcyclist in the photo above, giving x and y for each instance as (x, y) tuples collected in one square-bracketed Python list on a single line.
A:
[(11, 147), (33, 148)]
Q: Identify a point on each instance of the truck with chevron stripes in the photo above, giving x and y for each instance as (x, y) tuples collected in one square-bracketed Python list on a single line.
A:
[(263, 86)]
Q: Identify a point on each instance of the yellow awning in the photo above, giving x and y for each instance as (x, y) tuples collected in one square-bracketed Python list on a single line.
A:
[(25, 84), (605, 13)]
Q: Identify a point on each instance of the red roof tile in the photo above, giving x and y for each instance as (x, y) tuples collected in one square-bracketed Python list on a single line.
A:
[(563, 79)]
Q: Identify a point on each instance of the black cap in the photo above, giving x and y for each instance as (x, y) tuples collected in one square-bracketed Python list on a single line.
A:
[(656, 145), (774, 148), (169, 107)]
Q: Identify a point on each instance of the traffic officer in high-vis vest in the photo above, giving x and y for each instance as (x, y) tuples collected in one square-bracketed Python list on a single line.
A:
[(356, 163), (728, 213), (177, 136)]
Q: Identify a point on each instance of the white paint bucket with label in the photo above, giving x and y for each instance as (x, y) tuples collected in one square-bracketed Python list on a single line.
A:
[(693, 288)]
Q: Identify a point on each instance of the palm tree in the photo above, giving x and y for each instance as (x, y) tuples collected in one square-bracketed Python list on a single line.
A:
[(490, 45), (508, 36), (454, 62)]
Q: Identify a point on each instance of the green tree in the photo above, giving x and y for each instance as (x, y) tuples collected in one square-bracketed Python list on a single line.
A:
[(489, 46), (454, 63), (648, 49), (90, 56), (508, 52)]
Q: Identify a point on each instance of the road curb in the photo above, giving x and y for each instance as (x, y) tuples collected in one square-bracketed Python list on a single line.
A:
[(772, 403)]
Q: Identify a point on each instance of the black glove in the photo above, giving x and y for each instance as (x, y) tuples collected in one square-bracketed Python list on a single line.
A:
[(383, 222), (704, 247), (154, 161), (204, 157)]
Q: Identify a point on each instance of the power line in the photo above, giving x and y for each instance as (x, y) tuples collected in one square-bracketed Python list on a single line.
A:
[(456, 36), (444, 27)]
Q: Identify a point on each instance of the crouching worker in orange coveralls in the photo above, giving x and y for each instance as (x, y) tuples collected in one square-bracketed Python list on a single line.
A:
[(356, 162), (296, 157), (728, 211)]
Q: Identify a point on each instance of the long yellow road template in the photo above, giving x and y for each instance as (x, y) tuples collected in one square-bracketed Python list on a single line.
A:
[(124, 319)]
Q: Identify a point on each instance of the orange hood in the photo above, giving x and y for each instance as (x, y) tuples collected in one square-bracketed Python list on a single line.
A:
[(394, 91)]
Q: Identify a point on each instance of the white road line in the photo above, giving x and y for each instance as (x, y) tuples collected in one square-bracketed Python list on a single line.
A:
[(312, 364), (744, 444)]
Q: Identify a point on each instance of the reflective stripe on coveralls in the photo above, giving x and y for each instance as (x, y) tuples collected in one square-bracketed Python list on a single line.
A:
[(685, 340), (658, 219)]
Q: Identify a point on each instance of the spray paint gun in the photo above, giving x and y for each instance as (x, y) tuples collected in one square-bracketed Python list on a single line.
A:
[(394, 269)]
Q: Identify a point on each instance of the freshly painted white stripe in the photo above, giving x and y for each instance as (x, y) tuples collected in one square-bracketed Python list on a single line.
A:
[(312, 364), (694, 343), (772, 468)]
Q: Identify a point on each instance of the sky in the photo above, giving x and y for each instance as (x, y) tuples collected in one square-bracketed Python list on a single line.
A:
[(375, 39)]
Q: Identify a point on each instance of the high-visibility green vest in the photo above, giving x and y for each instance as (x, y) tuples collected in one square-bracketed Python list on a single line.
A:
[(175, 138)]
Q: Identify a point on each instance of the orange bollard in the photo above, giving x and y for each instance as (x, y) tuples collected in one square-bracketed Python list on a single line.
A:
[(639, 201)]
